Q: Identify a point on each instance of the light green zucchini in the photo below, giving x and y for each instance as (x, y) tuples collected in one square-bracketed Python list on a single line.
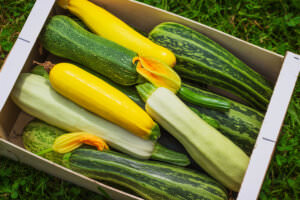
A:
[(211, 150)]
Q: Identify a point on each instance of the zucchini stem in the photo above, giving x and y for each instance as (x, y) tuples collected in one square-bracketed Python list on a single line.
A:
[(161, 153), (47, 65), (145, 90), (190, 96)]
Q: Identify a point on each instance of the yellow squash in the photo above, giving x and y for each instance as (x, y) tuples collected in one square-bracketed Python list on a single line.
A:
[(102, 99), (112, 28)]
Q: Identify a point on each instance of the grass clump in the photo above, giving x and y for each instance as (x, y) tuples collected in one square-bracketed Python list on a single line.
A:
[(22, 182)]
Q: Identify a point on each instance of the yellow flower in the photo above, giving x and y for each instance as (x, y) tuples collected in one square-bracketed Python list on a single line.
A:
[(70, 141), (158, 73)]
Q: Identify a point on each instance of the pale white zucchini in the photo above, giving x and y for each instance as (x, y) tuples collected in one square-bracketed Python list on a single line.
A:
[(216, 154), (33, 94)]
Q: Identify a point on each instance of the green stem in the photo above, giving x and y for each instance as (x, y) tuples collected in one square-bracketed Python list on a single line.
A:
[(145, 90), (190, 96), (44, 151), (161, 153)]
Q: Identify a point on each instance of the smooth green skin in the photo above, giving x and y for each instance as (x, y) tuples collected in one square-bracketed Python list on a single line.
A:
[(203, 60), (150, 179), (202, 100), (64, 37)]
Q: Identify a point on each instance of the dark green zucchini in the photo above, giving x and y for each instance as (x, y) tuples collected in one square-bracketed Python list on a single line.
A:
[(203, 60), (202, 100), (63, 37)]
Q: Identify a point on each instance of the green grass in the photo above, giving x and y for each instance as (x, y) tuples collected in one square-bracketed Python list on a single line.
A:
[(21, 182), (271, 24)]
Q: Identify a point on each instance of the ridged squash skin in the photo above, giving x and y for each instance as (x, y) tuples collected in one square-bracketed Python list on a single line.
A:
[(112, 28), (211, 150), (63, 37), (102, 99), (38, 136), (203, 60), (35, 96)]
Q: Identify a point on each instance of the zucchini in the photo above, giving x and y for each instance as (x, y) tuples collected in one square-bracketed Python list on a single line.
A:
[(203, 60), (241, 124), (188, 95), (128, 90), (211, 150), (39, 136), (63, 37), (99, 97), (151, 180), (110, 27), (34, 95)]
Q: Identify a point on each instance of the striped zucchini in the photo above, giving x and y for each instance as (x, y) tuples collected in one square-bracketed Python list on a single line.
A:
[(151, 180), (240, 124), (203, 60)]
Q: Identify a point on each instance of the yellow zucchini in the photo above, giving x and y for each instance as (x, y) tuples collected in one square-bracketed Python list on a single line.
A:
[(99, 97), (112, 28)]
